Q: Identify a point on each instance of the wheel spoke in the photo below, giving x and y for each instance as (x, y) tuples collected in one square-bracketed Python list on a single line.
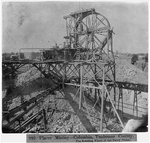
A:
[(97, 43), (101, 20), (85, 25), (101, 34), (83, 40), (86, 42), (94, 21), (91, 31), (89, 22), (98, 39), (99, 23), (101, 29)]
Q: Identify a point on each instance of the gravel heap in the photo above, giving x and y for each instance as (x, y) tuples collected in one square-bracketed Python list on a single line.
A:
[(66, 123), (66, 119), (69, 119), (129, 73), (27, 77)]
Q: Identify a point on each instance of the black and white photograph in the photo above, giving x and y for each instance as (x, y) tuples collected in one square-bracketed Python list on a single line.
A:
[(74, 67)]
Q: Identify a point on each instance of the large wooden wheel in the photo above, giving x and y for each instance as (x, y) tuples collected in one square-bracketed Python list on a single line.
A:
[(89, 31)]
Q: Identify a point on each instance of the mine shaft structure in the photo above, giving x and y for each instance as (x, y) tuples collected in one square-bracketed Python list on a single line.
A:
[(88, 64), (94, 66), (88, 32)]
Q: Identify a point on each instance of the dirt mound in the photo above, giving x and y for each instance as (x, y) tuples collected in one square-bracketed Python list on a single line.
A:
[(128, 103), (28, 76), (73, 120), (129, 73), (70, 119)]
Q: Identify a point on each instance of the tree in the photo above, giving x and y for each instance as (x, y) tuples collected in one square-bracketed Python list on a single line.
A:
[(146, 58), (22, 55), (134, 59)]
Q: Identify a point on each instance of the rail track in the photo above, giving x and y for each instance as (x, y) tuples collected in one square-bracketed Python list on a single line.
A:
[(26, 107)]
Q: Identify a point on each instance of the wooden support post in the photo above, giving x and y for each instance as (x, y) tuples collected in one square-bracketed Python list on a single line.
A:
[(108, 43), (44, 118), (80, 99), (122, 100), (95, 95), (111, 43), (64, 76), (41, 66), (79, 72), (48, 69), (99, 93), (114, 75), (120, 97), (135, 102), (95, 82), (19, 124), (102, 101), (114, 107)]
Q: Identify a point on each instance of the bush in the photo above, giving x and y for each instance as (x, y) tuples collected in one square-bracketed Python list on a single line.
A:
[(146, 58), (134, 59)]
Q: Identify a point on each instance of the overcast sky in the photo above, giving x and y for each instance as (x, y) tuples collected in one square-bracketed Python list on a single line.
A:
[(37, 24)]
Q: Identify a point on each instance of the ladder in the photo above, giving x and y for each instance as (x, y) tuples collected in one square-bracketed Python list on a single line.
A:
[(78, 54)]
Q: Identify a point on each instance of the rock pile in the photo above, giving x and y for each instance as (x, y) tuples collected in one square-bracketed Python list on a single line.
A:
[(129, 73), (65, 123), (27, 77), (67, 120)]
